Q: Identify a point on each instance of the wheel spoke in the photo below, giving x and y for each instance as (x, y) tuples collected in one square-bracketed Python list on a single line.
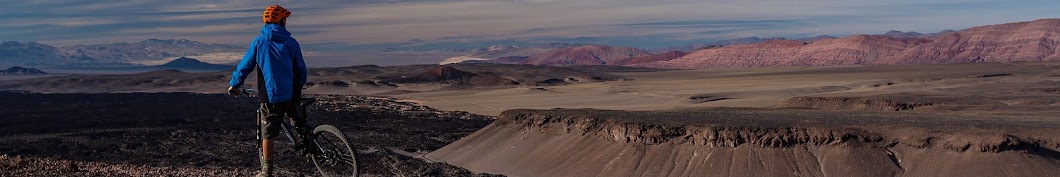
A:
[(336, 156)]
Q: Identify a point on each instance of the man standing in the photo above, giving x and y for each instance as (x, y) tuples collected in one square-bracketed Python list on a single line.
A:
[(281, 75)]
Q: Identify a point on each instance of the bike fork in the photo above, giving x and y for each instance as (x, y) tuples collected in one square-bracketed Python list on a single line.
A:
[(257, 134)]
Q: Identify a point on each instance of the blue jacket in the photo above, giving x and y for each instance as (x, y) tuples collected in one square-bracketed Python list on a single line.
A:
[(272, 52)]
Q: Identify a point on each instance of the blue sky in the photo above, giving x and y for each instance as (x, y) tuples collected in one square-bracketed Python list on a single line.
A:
[(335, 25)]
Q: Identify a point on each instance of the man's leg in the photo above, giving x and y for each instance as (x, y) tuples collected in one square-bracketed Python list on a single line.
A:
[(270, 128), (297, 115), (298, 119)]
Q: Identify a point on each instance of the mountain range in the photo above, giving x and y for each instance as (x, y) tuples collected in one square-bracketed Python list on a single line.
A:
[(851, 50), (21, 71), (737, 41), (1021, 41), (37, 54), (494, 52), (587, 55), (556, 54), (1037, 40)]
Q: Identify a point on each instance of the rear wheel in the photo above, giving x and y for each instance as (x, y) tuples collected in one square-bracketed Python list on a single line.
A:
[(336, 157)]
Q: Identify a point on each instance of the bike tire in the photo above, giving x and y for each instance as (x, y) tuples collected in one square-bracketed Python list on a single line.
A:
[(336, 153)]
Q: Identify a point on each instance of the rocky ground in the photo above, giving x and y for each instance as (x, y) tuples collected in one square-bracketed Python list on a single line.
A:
[(186, 134)]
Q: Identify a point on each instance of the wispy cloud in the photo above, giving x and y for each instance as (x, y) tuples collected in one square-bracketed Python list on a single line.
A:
[(386, 21), (191, 30)]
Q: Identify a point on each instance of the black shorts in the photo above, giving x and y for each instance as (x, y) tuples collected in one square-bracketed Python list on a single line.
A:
[(270, 116)]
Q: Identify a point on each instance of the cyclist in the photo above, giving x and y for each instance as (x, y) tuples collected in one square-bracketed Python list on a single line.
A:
[(281, 75)]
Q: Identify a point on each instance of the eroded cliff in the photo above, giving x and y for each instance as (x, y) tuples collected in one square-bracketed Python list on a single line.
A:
[(757, 142)]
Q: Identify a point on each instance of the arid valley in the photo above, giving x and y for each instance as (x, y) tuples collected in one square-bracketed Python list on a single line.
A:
[(994, 119), (531, 88)]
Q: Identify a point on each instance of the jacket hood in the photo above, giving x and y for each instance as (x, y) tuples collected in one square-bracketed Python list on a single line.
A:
[(275, 32)]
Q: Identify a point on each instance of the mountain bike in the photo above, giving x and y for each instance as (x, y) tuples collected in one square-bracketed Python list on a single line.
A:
[(325, 146)]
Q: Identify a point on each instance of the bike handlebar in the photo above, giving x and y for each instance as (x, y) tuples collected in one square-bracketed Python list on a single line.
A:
[(253, 92), (242, 92)]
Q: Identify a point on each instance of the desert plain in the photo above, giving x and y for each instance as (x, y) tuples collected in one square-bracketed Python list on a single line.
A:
[(991, 119)]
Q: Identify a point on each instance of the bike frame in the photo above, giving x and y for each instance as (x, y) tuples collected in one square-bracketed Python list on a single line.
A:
[(316, 153), (286, 129)]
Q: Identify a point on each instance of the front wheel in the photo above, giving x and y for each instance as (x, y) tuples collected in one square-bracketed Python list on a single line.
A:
[(335, 156)]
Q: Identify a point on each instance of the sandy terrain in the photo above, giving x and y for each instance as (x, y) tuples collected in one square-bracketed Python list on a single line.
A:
[(988, 119), (1012, 86)]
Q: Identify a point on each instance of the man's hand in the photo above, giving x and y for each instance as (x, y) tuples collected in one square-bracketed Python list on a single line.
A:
[(233, 91)]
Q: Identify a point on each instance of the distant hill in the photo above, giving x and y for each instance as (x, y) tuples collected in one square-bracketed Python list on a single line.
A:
[(452, 76), (31, 54), (852, 50), (192, 64), (151, 49), (656, 58), (364, 79), (508, 51), (21, 71), (484, 55), (716, 44), (37, 54), (911, 34), (817, 38), (746, 40), (901, 34), (1021, 41), (586, 55)]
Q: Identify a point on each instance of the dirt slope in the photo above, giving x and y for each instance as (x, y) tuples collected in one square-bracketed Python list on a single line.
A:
[(756, 142)]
